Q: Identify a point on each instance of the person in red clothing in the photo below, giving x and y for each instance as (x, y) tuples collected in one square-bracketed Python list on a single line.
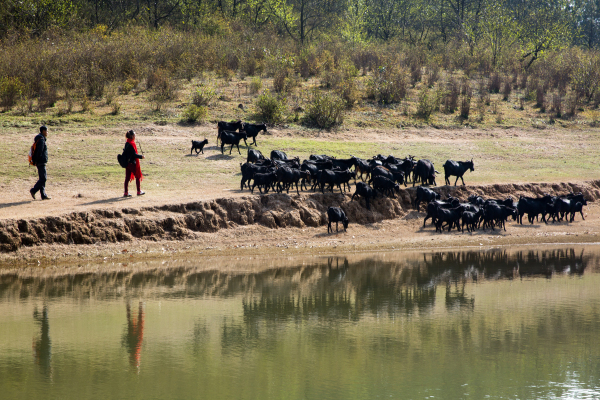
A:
[(133, 169)]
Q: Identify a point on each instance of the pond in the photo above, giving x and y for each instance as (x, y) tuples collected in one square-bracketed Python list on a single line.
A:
[(499, 324)]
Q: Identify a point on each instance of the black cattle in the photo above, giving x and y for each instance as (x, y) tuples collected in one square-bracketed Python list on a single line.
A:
[(458, 169), (290, 163), (451, 216), (287, 177), (577, 208), (263, 181), (396, 176), (470, 219), (255, 156), (232, 138), (319, 157), (385, 186), (494, 213), (364, 190), (248, 171), (426, 195), (424, 172), (198, 146), (278, 155), (532, 207), (346, 163), (335, 178), (476, 200), (432, 207), (252, 130), (336, 214), (313, 167), (362, 167), (227, 126)]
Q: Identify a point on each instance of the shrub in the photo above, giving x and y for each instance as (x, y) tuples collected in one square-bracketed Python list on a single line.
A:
[(203, 96), (162, 86), (284, 80), (325, 110), (495, 83), (428, 102), (195, 113), (539, 96), (557, 104), (86, 105), (255, 85), (47, 96), (11, 90), (506, 90), (270, 108), (116, 108), (451, 97), (388, 85), (128, 85), (465, 104)]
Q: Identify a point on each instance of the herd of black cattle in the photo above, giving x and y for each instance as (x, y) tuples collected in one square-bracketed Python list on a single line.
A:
[(384, 175)]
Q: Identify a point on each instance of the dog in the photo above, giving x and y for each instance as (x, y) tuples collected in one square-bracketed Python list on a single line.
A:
[(199, 146)]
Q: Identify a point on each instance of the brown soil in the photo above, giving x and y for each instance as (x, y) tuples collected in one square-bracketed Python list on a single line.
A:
[(275, 223)]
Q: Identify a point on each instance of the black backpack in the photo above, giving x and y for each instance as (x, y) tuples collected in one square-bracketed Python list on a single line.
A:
[(123, 162)]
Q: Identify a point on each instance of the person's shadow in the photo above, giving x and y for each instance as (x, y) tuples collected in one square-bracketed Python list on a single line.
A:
[(19, 203), (41, 345), (134, 335), (106, 201)]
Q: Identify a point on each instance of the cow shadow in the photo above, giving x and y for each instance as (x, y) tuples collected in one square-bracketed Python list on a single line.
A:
[(19, 203)]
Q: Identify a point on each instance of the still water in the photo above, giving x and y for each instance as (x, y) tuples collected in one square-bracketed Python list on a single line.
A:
[(493, 324)]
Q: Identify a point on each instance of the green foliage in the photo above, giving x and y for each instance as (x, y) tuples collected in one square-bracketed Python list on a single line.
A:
[(270, 108), (255, 85), (194, 113), (428, 103), (11, 90), (325, 110), (388, 85), (203, 96)]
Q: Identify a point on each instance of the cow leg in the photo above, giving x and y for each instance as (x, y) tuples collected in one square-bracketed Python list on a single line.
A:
[(336, 227), (447, 180), (329, 226), (238, 147), (222, 146)]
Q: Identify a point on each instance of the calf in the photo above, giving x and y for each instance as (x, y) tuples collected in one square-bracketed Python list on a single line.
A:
[(336, 214), (252, 130), (576, 208), (451, 216), (264, 181), (364, 190), (426, 195), (470, 219), (232, 138), (227, 126), (255, 156), (198, 146)]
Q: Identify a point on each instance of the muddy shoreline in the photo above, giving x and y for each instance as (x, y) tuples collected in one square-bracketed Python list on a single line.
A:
[(272, 224)]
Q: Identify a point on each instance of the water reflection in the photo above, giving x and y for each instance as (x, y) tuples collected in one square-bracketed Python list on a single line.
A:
[(42, 348), (134, 335)]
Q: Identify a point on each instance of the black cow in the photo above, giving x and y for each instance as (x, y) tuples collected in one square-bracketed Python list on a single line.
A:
[(252, 130), (319, 157), (232, 138), (451, 216), (248, 171), (426, 195), (432, 207), (227, 126), (458, 169), (364, 190), (385, 186), (255, 156), (425, 172), (343, 163), (287, 177), (264, 181), (198, 146), (362, 167), (396, 176), (336, 214), (278, 155), (532, 207), (335, 178), (470, 219)]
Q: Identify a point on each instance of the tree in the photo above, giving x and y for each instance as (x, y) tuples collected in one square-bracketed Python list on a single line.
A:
[(498, 29)]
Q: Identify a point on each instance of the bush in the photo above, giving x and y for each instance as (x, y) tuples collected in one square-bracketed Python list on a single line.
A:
[(203, 96), (194, 113), (284, 80), (255, 85), (465, 104), (388, 85), (429, 101), (47, 97), (270, 108), (128, 85), (506, 90), (495, 83), (451, 97), (325, 110), (11, 90), (116, 108)]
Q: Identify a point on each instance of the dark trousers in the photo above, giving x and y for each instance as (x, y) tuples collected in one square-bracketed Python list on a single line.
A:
[(41, 183), (128, 171)]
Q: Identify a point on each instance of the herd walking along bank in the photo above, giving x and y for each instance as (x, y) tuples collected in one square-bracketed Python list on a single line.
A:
[(385, 188)]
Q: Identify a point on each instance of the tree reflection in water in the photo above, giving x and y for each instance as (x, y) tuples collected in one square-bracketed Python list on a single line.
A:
[(42, 349), (134, 335)]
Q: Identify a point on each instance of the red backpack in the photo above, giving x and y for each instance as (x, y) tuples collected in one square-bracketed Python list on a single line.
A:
[(32, 152)]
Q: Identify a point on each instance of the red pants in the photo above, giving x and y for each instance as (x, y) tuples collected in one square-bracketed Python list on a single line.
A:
[(128, 171)]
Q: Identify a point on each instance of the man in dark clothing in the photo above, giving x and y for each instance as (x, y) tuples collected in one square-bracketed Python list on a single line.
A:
[(40, 159)]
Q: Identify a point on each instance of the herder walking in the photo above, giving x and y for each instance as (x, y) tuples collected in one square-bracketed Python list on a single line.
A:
[(133, 169), (39, 158)]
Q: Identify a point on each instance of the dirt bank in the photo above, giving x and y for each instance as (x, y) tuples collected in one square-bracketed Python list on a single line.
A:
[(241, 220)]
